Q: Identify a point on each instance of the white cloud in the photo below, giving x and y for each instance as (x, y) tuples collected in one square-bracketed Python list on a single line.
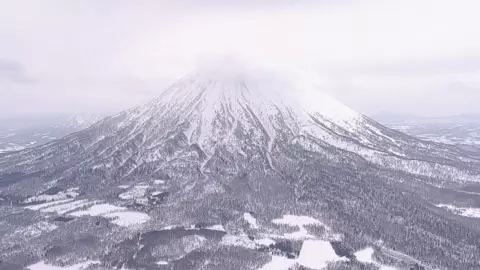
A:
[(373, 55)]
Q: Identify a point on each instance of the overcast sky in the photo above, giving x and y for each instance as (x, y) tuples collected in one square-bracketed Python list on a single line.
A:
[(409, 56)]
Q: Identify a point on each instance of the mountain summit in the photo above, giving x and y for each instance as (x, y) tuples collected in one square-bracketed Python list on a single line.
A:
[(240, 169)]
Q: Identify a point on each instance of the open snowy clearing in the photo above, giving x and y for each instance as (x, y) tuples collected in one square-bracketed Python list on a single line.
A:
[(278, 263), (315, 254), (98, 210), (128, 218), (42, 266), (462, 211), (119, 215), (366, 256)]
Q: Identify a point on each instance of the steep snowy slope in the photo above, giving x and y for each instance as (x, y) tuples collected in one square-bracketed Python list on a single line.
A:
[(169, 184)]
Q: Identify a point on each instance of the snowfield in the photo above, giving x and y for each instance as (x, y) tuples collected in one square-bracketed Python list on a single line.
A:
[(43, 266), (315, 254), (366, 256), (462, 211)]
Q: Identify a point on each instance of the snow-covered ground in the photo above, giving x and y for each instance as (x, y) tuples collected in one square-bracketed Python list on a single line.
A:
[(315, 254), (462, 211), (69, 193), (251, 220), (119, 215), (278, 263), (43, 266), (366, 256)]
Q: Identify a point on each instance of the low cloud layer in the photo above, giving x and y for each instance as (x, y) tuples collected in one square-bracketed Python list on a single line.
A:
[(13, 72), (419, 57)]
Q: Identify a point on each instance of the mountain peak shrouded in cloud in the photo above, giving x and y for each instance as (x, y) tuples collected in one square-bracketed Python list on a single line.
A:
[(236, 168)]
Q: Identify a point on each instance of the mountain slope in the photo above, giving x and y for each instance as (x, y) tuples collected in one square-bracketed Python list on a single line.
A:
[(219, 158)]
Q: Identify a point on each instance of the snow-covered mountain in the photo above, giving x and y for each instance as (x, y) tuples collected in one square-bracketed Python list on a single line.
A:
[(79, 121), (240, 170), (17, 134)]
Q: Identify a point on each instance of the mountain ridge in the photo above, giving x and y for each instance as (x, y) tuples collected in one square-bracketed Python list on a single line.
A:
[(209, 152)]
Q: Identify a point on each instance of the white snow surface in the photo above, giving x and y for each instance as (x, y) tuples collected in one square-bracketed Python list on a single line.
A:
[(293, 220), (366, 256), (43, 266), (119, 215), (98, 210), (316, 254), (251, 220), (278, 263), (462, 211), (218, 227), (128, 218)]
